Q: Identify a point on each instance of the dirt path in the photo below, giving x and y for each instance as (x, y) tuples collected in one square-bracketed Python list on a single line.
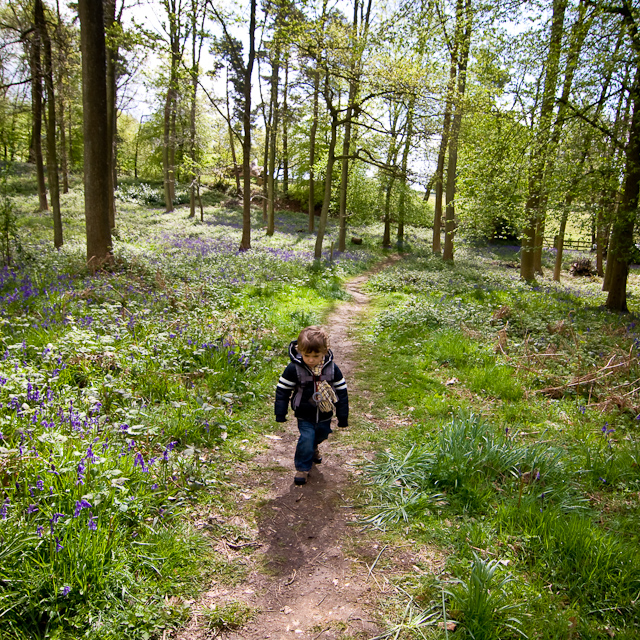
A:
[(309, 572)]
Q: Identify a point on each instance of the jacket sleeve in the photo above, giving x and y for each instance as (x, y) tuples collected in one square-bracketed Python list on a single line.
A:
[(342, 405), (285, 387)]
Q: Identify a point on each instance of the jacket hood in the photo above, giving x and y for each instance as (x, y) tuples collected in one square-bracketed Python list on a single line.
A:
[(296, 356)]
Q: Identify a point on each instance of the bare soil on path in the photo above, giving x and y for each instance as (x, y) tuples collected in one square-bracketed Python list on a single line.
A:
[(313, 573)]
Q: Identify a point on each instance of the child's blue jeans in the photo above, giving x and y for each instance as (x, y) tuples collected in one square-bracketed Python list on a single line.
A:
[(311, 435)]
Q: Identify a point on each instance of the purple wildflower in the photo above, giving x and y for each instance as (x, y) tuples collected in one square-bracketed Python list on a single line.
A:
[(59, 547), (65, 590), (81, 472), (80, 505), (39, 531), (90, 455), (3, 509), (92, 524), (32, 508), (139, 461)]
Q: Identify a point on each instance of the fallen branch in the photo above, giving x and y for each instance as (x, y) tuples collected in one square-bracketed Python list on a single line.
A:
[(371, 568), (231, 545)]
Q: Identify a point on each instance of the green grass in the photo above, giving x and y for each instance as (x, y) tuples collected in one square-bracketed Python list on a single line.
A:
[(124, 396), (528, 480)]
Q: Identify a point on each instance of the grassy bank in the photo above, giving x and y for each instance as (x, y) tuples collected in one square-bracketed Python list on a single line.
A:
[(125, 399), (519, 457)]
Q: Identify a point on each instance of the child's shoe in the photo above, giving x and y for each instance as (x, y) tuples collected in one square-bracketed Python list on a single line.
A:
[(317, 458), (301, 477)]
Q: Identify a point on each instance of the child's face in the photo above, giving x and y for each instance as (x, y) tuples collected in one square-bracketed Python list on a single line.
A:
[(312, 358)]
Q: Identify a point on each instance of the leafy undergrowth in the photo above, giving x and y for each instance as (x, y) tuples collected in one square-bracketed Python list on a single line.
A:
[(125, 398), (522, 454)]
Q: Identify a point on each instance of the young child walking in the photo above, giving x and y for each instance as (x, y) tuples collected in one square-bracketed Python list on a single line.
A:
[(317, 386)]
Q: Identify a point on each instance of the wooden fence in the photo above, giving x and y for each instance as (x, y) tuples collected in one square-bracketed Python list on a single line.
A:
[(570, 243)]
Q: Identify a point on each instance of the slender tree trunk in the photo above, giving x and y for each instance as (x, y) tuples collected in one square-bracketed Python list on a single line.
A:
[(622, 232), (273, 134), (464, 17), (52, 156), (60, 93), (36, 101), (166, 156), (312, 150), (193, 176), (358, 44), (344, 170), (438, 180), (322, 224), (557, 268), (285, 130), (537, 162), (403, 173), (64, 164), (232, 142), (246, 143), (170, 105), (610, 195), (112, 54), (265, 171), (71, 154), (392, 157), (576, 40), (94, 101)]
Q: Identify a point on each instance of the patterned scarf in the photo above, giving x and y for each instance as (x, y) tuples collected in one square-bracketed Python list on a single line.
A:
[(324, 396)]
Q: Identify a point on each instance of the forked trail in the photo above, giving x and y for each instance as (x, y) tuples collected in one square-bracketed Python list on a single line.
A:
[(311, 573)]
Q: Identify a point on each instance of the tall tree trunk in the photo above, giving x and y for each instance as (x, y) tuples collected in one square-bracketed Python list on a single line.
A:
[(359, 35), (576, 40), (537, 162), (464, 17), (52, 155), (438, 178), (193, 174), (331, 157), (36, 101), (312, 150), (389, 179), (112, 54), (71, 149), (170, 105), (232, 142), (403, 172), (285, 130), (246, 143), (622, 232), (557, 268), (273, 135), (60, 93), (64, 164), (166, 156), (610, 195), (94, 103)]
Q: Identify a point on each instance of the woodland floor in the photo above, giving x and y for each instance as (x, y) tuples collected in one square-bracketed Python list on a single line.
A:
[(313, 572)]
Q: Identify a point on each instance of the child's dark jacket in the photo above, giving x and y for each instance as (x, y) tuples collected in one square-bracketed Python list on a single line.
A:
[(289, 384)]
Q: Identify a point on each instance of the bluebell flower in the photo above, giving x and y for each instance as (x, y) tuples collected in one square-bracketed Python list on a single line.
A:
[(59, 547), (39, 531), (65, 590), (80, 505), (92, 524), (32, 508), (81, 472)]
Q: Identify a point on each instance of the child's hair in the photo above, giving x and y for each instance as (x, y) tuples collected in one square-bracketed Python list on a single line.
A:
[(313, 339)]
